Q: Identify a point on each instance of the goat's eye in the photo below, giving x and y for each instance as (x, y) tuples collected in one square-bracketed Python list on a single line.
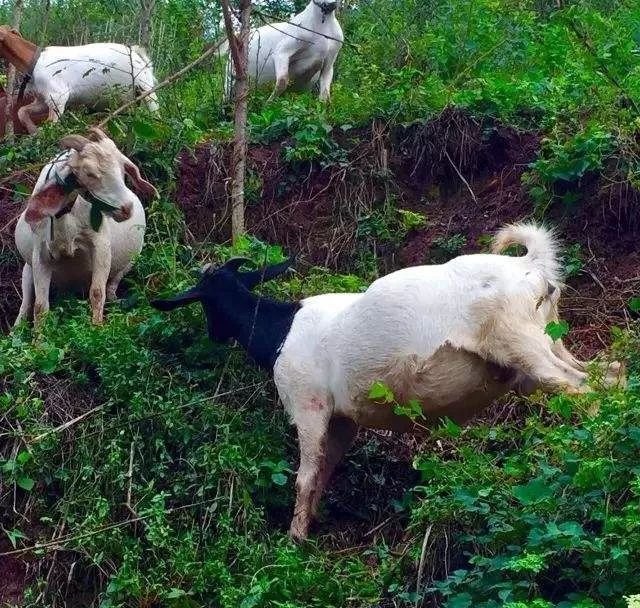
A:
[(92, 175)]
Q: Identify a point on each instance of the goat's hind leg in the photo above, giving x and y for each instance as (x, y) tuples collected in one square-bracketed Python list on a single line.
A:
[(24, 114), (340, 436)]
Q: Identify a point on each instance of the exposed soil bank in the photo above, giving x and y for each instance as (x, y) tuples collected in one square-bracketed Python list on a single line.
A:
[(465, 177)]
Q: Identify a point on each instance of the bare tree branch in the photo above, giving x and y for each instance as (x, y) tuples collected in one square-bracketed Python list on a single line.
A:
[(11, 75)]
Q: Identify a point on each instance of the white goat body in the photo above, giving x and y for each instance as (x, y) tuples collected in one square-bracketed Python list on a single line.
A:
[(297, 53), (454, 336), (92, 75), (67, 251)]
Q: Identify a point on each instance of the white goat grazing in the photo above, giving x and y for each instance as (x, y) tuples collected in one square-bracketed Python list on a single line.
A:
[(62, 235), (453, 336), (91, 75), (302, 51)]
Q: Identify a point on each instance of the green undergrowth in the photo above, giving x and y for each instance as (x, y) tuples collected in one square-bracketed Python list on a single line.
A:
[(163, 463), (189, 443)]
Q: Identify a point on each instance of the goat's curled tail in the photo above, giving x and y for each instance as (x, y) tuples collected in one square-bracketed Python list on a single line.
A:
[(541, 243)]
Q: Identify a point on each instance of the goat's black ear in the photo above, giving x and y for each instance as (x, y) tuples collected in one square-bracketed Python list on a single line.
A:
[(255, 277), (181, 299), (234, 264)]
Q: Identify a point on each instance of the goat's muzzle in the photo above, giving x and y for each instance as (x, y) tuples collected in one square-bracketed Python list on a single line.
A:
[(123, 213)]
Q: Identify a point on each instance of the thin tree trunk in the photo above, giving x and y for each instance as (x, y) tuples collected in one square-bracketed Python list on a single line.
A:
[(45, 22), (146, 14), (11, 74), (238, 47)]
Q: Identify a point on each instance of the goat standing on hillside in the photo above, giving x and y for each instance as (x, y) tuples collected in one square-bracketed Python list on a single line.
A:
[(299, 52), (453, 336), (63, 236), (91, 75)]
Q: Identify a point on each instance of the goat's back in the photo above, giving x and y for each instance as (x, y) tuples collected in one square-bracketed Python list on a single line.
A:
[(85, 71)]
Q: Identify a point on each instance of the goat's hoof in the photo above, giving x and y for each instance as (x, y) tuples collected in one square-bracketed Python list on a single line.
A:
[(616, 374), (582, 389), (297, 535)]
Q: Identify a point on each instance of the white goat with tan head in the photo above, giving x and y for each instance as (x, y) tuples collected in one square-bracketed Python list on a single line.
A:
[(453, 336), (82, 225)]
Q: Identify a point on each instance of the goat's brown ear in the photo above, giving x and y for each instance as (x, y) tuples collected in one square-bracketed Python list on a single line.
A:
[(141, 184), (96, 134), (45, 203), (74, 142)]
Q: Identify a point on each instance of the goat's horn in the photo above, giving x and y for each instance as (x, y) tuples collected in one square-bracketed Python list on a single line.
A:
[(75, 142), (96, 134), (235, 263)]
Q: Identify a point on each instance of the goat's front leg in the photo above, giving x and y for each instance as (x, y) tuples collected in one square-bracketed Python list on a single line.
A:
[(340, 436), (24, 114), (613, 372), (312, 421), (100, 274), (326, 78), (41, 274), (26, 306), (57, 103), (281, 65)]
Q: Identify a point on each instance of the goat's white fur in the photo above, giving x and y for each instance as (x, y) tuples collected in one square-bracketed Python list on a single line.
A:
[(455, 336), (78, 257), (284, 54), (91, 75)]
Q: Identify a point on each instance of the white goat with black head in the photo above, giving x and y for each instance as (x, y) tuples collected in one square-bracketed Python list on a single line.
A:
[(454, 336), (298, 53), (82, 225)]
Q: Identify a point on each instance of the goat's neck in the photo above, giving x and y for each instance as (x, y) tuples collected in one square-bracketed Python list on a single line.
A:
[(261, 325), (18, 51)]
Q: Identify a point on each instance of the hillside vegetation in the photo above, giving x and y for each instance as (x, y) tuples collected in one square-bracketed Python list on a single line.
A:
[(143, 465)]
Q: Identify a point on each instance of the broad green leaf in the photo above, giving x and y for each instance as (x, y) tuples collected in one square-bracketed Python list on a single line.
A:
[(14, 535), (280, 479), (634, 304), (557, 330), (175, 593), (95, 217), (451, 428), (381, 392), (535, 491), (460, 600), (26, 483)]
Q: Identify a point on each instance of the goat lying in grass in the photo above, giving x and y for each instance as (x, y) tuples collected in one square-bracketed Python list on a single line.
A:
[(89, 75), (454, 336), (62, 235)]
